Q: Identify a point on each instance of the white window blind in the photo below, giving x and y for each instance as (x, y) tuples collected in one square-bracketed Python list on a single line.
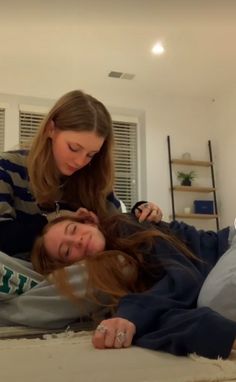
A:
[(29, 124), (125, 153), (2, 128)]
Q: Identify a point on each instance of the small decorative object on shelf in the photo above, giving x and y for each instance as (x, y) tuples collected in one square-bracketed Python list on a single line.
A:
[(203, 207), (186, 178), (187, 210), (186, 156)]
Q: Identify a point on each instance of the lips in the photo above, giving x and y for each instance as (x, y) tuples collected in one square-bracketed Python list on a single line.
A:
[(71, 168)]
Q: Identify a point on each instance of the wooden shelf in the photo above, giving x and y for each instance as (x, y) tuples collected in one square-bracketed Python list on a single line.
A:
[(196, 216), (190, 162), (197, 190), (194, 189)]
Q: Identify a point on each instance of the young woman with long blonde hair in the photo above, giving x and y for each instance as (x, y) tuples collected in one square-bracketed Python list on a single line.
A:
[(69, 165)]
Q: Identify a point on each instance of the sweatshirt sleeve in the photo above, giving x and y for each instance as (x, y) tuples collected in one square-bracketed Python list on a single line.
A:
[(167, 319), (20, 219), (17, 236)]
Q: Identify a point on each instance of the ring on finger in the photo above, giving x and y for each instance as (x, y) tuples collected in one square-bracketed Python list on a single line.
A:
[(101, 329), (121, 337)]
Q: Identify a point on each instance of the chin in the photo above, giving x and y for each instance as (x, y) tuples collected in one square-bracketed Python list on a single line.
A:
[(67, 172)]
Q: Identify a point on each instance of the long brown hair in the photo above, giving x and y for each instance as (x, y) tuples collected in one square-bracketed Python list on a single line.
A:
[(75, 111), (124, 266)]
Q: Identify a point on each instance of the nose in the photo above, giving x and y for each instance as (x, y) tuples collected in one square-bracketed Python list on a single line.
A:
[(81, 160), (78, 242)]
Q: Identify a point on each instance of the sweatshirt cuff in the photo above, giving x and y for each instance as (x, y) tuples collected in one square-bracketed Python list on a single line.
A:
[(137, 205)]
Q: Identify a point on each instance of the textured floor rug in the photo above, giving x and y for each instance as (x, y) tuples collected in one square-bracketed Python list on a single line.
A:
[(70, 357)]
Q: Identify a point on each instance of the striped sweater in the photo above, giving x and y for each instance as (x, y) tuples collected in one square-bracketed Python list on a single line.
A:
[(21, 219)]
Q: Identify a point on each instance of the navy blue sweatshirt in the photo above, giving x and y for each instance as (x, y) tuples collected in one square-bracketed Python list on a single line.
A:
[(166, 316)]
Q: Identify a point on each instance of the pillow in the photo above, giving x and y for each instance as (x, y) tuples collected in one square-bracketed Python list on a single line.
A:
[(27, 298), (219, 289)]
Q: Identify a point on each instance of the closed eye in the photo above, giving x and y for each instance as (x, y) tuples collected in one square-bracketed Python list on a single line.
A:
[(90, 156), (67, 253), (64, 252), (77, 149), (72, 228), (74, 148)]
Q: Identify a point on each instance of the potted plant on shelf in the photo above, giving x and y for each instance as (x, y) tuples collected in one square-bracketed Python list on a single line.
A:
[(186, 178)]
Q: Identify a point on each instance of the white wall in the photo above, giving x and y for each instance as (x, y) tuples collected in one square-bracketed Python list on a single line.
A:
[(224, 131), (188, 121)]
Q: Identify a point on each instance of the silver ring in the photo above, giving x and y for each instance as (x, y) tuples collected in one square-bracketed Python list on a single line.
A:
[(101, 329), (121, 337)]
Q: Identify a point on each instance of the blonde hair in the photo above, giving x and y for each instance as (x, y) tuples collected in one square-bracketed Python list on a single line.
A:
[(124, 267), (88, 187)]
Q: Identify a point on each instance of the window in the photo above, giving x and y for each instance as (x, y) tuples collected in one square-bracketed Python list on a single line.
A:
[(2, 128), (29, 124), (125, 154)]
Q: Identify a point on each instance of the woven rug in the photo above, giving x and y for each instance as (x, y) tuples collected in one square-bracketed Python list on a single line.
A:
[(70, 357)]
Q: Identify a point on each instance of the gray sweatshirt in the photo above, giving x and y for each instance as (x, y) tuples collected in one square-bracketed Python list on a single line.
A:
[(28, 299)]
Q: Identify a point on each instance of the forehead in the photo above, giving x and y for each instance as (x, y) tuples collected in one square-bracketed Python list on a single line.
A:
[(55, 229), (55, 236), (87, 139)]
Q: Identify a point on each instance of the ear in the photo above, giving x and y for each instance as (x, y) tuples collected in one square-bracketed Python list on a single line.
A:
[(50, 128)]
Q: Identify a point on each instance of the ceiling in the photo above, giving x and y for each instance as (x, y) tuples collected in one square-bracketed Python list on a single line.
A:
[(50, 46)]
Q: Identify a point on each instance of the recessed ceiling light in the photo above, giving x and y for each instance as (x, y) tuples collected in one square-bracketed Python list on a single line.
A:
[(158, 48)]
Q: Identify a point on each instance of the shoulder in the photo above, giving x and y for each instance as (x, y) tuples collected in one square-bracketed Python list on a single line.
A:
[(113, 201), (206, 244), (14, 162), (17, 157)]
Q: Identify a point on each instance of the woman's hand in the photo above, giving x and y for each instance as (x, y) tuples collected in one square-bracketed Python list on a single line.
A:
[(148, 211), (114, 333), (88, 216)]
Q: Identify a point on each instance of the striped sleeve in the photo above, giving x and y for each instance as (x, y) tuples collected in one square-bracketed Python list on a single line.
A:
[(7, 210), (15, 195)]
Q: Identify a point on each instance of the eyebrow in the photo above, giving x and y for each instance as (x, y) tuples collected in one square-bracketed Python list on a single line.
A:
[(82, 147)]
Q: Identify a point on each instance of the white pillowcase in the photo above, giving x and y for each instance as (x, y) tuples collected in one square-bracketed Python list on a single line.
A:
[(219, 289)]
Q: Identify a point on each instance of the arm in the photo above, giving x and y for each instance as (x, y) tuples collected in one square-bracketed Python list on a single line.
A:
[(142, 210), (209, 245), (178, 330), (166, 317), (118, 332), (18, 228), (18, 235)]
